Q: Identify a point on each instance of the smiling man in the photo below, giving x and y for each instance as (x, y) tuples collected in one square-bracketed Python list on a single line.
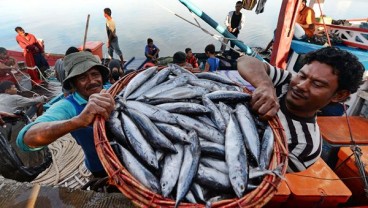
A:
[(329, 75), (74, 114)]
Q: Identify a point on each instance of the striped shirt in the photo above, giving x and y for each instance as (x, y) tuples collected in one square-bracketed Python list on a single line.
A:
[(303, 135)]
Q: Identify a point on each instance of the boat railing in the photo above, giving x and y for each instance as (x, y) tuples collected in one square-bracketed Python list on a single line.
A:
[(351, 36)]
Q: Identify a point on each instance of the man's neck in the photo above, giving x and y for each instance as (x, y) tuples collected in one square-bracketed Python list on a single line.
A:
[(299, 113)]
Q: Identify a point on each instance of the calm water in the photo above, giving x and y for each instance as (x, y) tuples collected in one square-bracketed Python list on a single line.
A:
[(62, 23)]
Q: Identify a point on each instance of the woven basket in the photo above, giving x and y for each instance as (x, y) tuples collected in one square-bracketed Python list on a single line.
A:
[(143, 197)]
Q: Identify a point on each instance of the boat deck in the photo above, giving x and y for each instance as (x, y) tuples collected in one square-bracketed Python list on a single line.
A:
[(15, 194)]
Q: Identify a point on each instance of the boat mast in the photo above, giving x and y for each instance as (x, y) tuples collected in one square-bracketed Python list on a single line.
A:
[(284, 33), (220, 29)]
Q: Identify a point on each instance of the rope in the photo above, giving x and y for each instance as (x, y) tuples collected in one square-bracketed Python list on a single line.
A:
[(216, 37), (67, 168), (32, 80)]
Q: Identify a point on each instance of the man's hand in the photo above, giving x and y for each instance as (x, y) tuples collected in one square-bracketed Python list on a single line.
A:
[(99, 104), (265, 102), (5, 114)]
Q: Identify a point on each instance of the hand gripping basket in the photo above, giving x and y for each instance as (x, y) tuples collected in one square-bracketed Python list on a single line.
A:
[(143, 197)]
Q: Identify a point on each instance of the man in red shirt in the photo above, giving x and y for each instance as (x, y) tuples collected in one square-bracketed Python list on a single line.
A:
[(191, 59)]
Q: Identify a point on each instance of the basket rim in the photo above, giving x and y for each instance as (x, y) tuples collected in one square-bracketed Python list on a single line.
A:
[(141, 196)]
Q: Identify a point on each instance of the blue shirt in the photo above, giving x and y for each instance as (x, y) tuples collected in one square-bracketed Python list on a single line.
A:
[(214, 63), (64, 110)]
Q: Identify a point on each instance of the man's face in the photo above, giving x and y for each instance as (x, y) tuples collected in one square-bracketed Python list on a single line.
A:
[(301, 6), (4, 55), (238, 7), (189, 54), (88, 83), (12, 90), (311, 89)]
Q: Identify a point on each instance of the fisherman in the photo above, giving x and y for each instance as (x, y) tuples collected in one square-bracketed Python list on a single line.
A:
[(112, 38), (234, 23), (151, 51), (74, 114), (7, 64), (179, 58), (329, 75)]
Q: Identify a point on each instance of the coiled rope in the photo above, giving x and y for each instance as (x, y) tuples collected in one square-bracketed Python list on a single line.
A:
[(67, 168)]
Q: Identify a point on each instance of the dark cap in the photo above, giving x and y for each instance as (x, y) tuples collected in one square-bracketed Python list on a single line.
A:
[(80, 62), (179, 57)]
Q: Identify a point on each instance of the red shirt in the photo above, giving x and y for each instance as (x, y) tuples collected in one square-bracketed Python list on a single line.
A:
[(193, 61)]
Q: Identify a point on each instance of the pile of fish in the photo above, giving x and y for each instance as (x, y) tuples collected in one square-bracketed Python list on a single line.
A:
[(190, 137)]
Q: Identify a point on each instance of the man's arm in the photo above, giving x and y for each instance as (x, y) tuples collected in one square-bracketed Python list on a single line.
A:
[(44, 133), (264, 100)]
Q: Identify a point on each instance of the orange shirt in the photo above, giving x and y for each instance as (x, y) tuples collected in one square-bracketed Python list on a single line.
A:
[(307, 16)]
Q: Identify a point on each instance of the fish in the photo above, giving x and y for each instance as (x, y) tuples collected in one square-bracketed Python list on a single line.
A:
[(266, 148), (225, 112), (215, 77), (178, 70), (175, 134), (139, 172), (171, 170), (163, 87), (208, 84), (115, 127), (212, 149), (197, 192), (154, 81), (215, 114), (229, 96), (183, 92), (212, 178), (153, 112), (203, 130), (215, 164), (138, 80), (189, 167), (139, 143), (184, 108), (249, 130), (236, 157), (152, 134), (205, 119)]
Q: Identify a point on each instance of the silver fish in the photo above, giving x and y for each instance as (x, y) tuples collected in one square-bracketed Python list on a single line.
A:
[(139, 171), (153, 112), (139, 143), (208, 84), (229, 96), (266, 148), (189, 167), (215, 164), (154, 81), (184, 108), (174, 133), (215, 114), (183, 92), (197, 192), (215, 77), (178, 70), (171, 170), (138, 80), (212, 149), (114, 126), (170, 84), (203, 130), (152, 134), (236, 157), (212, 178), (190, 197), (225, 111), (249, 130), (205, 120)]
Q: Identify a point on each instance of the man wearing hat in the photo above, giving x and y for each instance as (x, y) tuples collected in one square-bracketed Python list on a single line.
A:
[(74, 114)]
